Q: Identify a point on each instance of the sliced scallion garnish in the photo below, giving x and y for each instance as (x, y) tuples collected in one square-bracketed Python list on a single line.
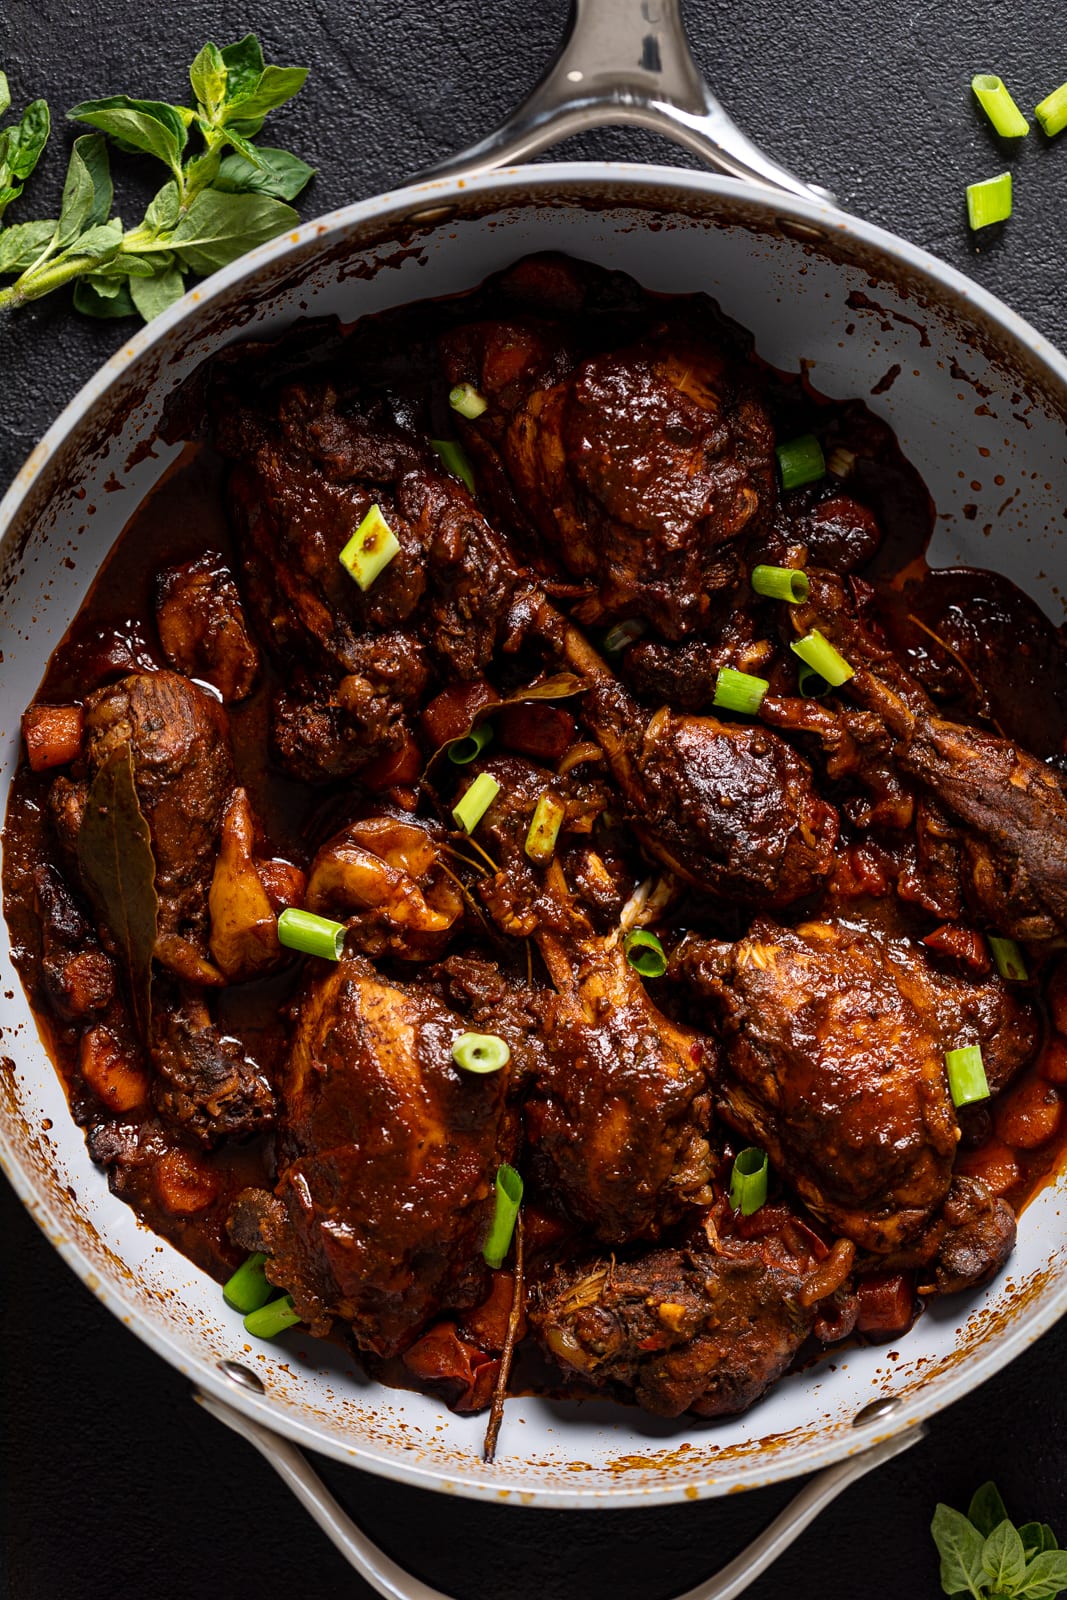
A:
[(811, 684), (1051, 112), (544, 828), (739, 691), (463, 750), (819, 654), (312, 935), (800, 461), (645, 953), (508, 1200), (248, 1288), (967, 1081), (1010, 962), (748, 1181), (989, 201), (998, 105), (454, 460), (465, 399), (272, 1319), (476, 802), (780, 583), (370, 549), (480, 1052)]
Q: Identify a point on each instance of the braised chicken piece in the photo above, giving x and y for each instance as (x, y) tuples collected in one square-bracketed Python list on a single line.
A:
[(309, 465), (183, 775), (387, 1158), (202, 626), (706, 1326), (835, 1042), (205, 1084), (637, 466), (728, 806)]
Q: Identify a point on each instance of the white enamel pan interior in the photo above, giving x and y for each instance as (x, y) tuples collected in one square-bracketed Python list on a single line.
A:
[(977, 400)]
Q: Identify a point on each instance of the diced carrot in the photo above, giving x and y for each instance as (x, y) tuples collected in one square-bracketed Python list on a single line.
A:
[(183, 1183), (449, 714), (109, 1073), (993, 1163), (1029, 1114), (965, 945), (543, 732), (1052, 1063), (886, 1301), (53, 735), (398, 766)]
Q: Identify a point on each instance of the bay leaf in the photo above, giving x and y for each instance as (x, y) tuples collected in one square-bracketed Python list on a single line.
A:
[(119, 873)]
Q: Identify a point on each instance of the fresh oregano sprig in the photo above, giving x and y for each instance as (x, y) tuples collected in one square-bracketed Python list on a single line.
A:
[(983, 1554), (223, 195)]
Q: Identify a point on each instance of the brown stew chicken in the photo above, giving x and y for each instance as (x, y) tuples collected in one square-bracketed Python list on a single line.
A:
[(233, 726)]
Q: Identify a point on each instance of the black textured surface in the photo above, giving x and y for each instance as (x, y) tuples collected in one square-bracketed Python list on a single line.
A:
[(113, 1486)]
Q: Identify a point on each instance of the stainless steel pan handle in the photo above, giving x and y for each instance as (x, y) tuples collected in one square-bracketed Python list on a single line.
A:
[(388, 1579), (627, 61)]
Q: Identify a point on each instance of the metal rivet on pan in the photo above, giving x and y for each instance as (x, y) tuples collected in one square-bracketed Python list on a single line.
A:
[(875, 1411), (431, 214), (242, 1376)]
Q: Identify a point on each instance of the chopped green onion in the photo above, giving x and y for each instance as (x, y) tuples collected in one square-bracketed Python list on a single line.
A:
[(508, 1201), (840, 462), (465, 399), (272, 1319), (310, 934), (480, 1052), (476, 802), (780, 583), (820, 655), (454, 460), (999, 106), (248, 1288), (748, 1181), (989, 201), (967, 1081), (739, 691), (370, 549), (1052, 111), (1009, 959), (811, 684), (623, 634), (800, 461), (464, 750), (544, 828), (645, 953)]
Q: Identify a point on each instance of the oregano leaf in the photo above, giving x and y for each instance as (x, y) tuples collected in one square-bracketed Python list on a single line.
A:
[(1003, 1557), (277, 173), (104, 298), (1046, 1576), (217, 228), (155, 294), (959, 1545), (987, 1510)]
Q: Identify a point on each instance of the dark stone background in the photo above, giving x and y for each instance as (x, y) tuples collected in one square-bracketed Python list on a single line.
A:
[(113, 1486)]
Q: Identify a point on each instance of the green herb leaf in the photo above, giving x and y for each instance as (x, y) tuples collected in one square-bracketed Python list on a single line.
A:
[(276, 85), (244, 66), (208, 77), (119, 872), (155, 294), (243, 146), (217, 228), (960, 1546), (22, 243), (278, 173), (149, 126), (5, 93), (987, 1510), (1046, 1576), (104, 298), (1036, 1537), (32, 136), (1003, 1557), (163, 209), (87, 192)]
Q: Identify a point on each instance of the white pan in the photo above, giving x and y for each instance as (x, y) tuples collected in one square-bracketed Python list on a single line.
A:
[(974, 395)]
